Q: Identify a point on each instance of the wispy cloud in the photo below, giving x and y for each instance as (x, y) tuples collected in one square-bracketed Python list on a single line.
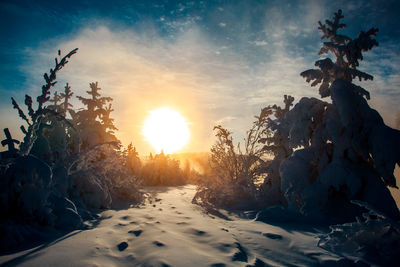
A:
[(219, 67), (145, 71)]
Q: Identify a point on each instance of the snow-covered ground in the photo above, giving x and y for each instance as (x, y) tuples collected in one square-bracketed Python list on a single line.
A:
[(168, 230)]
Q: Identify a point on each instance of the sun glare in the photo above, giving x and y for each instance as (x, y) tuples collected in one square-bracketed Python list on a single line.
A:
[(165, 129)]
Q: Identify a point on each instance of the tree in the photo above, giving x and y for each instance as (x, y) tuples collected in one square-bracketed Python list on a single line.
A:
[(42, 113), (344, 150), (66, 105), (347, 51), (94, 123)]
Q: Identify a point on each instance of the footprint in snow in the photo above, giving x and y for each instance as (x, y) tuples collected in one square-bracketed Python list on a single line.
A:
[(197, 232), (273, 236), (258, 263), (126, 218), (158, 244), (122, 246), (224, 247), (135, 232), (119, 225), (241, 255)]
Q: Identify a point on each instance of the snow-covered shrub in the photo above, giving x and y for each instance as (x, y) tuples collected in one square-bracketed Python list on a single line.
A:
[(344, 150), (99, 176), (231, 182)]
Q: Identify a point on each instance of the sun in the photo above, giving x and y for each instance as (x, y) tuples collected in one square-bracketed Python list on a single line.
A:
[(166, 130)]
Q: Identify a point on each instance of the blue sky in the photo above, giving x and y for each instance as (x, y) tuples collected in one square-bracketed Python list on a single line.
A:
[(217, 62)]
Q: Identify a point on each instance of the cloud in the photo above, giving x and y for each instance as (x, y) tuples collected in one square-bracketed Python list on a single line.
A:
[(145, 71), (223, 75)]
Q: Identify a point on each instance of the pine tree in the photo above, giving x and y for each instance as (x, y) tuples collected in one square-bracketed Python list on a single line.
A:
[(66, 105), (94, 105), (94, 122), (344, 150), (347, 51), (107, 121), (36, 117), (55, 100)]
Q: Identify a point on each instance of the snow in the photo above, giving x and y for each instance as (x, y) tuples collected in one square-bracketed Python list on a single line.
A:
[(168, 230)]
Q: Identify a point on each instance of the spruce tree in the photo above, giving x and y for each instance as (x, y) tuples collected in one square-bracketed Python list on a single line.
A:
[(344, 151), (94, 123), (66, 96)]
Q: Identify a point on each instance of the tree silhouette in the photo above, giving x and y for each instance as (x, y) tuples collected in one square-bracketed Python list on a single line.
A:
[(344, 150), (55, 100), (66, 96), (36, 116), (94, 122), (347, 51)]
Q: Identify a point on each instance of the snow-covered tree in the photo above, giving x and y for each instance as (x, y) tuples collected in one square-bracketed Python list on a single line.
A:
[(344, 151), (94, 123), (347, 51)]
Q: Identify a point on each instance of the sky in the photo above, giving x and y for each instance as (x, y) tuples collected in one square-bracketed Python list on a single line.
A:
[(216, 62)]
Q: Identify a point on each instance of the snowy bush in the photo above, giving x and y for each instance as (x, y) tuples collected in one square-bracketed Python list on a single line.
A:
[(98, 176), (234, 173)]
